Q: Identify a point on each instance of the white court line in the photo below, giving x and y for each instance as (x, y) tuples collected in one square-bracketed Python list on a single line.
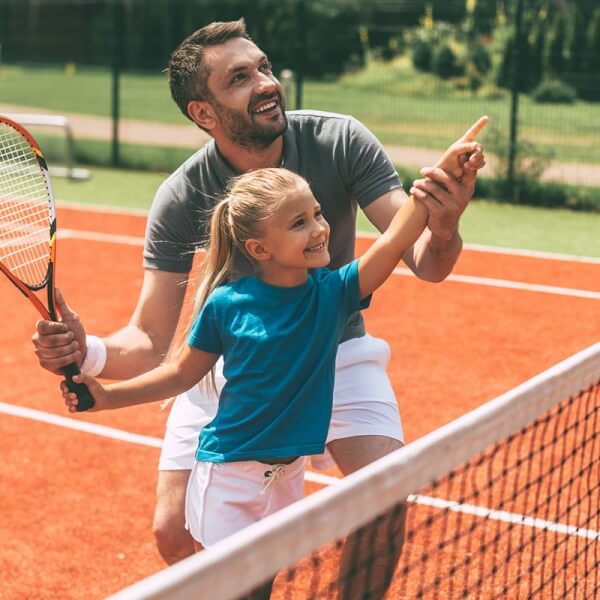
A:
[(486, 281), (506, 517), (95, 236), (68, 423), (367, 235), (143, 440), (514, 285), (532, 253)]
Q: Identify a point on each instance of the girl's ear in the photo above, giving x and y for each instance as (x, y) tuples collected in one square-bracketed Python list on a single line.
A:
[(256, 250)]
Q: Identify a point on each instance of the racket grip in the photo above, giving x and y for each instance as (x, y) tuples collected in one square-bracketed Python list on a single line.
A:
[(85, 399)]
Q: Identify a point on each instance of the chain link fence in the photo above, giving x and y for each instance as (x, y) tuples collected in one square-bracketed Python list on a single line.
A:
[(416, 72)]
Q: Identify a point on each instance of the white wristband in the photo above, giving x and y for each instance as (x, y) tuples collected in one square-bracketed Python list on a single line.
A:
[(95, 356)]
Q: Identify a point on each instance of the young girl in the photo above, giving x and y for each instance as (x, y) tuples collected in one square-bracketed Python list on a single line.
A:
[(278, 332)]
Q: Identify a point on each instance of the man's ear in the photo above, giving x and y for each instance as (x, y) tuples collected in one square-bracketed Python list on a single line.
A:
[(257, 250), (201, 112)]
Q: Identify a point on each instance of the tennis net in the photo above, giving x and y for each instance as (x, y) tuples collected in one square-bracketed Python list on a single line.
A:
[(504, 502)]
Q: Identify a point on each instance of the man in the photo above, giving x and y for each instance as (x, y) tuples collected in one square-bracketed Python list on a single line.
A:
[(223, 82)]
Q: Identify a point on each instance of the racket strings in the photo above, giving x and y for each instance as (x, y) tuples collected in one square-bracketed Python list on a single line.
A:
[(24, 216)]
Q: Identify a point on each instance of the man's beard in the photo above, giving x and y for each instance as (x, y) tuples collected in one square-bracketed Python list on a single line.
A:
[(244, 132)]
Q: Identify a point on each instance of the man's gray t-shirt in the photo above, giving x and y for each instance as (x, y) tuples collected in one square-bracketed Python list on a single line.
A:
[(343, 162)]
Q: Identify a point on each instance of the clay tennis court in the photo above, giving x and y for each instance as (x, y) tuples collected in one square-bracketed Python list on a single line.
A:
[(77, 502)]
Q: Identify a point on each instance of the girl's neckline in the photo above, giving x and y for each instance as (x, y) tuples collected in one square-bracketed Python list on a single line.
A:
[(283, 288)]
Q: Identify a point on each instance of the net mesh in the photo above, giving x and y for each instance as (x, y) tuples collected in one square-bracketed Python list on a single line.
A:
[(502, 503), (24, 218), (520, 520)]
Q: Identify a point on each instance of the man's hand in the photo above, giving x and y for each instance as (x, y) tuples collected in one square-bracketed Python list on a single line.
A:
[(58, 344), (447, 189), (445, 199)]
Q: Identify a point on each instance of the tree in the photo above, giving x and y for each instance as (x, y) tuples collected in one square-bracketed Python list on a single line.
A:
[(484, 16), (576, 51), (536, 70), (590, 89), (556, 46)]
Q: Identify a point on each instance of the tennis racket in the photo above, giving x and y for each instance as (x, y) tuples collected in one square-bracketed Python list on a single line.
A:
[(28, 229)]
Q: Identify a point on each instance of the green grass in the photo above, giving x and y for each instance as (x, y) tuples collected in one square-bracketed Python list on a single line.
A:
[(110, 187), (398, 104), (526, 228), (131, 156), (550, 230), (88, 91)]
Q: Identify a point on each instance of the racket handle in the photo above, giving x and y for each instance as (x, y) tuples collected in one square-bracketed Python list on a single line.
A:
[(86, 400)]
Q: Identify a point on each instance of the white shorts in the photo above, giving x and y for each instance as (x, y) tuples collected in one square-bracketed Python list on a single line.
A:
[(363, 404), (223, 498)]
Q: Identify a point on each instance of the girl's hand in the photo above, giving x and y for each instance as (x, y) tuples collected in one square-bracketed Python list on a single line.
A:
[(466, 155), (100, 394)]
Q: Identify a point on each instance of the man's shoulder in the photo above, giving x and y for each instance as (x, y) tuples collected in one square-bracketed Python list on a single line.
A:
[(192, 164), (325, 128), (307, 118), (193, 175)]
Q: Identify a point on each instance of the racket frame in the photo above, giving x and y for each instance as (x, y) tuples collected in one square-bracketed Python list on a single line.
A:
[(49, 312)]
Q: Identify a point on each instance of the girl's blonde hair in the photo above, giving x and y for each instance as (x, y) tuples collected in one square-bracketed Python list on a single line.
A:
[(250, 201)]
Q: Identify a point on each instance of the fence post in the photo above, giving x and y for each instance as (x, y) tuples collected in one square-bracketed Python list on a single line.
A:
[(117, 53), (301, 52), (514, 108)]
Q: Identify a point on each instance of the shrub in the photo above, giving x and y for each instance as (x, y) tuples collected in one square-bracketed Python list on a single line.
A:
[(421, 54), (489, 91), (540, 193), (481, 59), (531, 161), (554, 92), (444, 62)]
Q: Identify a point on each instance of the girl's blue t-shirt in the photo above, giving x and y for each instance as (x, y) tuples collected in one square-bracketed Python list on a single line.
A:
[(279, 347)]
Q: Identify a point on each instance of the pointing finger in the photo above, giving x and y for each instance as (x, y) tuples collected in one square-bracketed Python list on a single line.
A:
[(473, 131)]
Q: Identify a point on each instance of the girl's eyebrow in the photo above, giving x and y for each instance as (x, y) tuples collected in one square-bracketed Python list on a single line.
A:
[(303, 213), (296, 216)]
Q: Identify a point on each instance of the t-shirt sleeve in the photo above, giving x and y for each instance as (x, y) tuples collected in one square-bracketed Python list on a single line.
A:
[(371, 172), (172, 233), (350, 290), (206, 332)]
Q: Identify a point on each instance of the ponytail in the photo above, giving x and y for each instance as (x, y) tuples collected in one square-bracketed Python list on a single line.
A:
[(216, 266)]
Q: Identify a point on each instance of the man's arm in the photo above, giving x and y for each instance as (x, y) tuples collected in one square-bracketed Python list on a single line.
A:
[(145, 341), (139, 346)]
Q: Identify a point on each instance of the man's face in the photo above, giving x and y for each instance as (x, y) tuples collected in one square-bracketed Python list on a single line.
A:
[(247, 99)]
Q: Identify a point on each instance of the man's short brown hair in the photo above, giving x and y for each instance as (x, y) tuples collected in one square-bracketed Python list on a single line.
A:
[(187, 74)]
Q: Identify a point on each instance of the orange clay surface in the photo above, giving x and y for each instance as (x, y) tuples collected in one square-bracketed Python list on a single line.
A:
[(76, 508)]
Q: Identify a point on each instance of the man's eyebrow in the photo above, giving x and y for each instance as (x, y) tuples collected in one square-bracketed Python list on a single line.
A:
[(243, 66)]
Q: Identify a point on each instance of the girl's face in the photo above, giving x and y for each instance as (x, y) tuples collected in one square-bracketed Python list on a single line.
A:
[(295, 239)]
